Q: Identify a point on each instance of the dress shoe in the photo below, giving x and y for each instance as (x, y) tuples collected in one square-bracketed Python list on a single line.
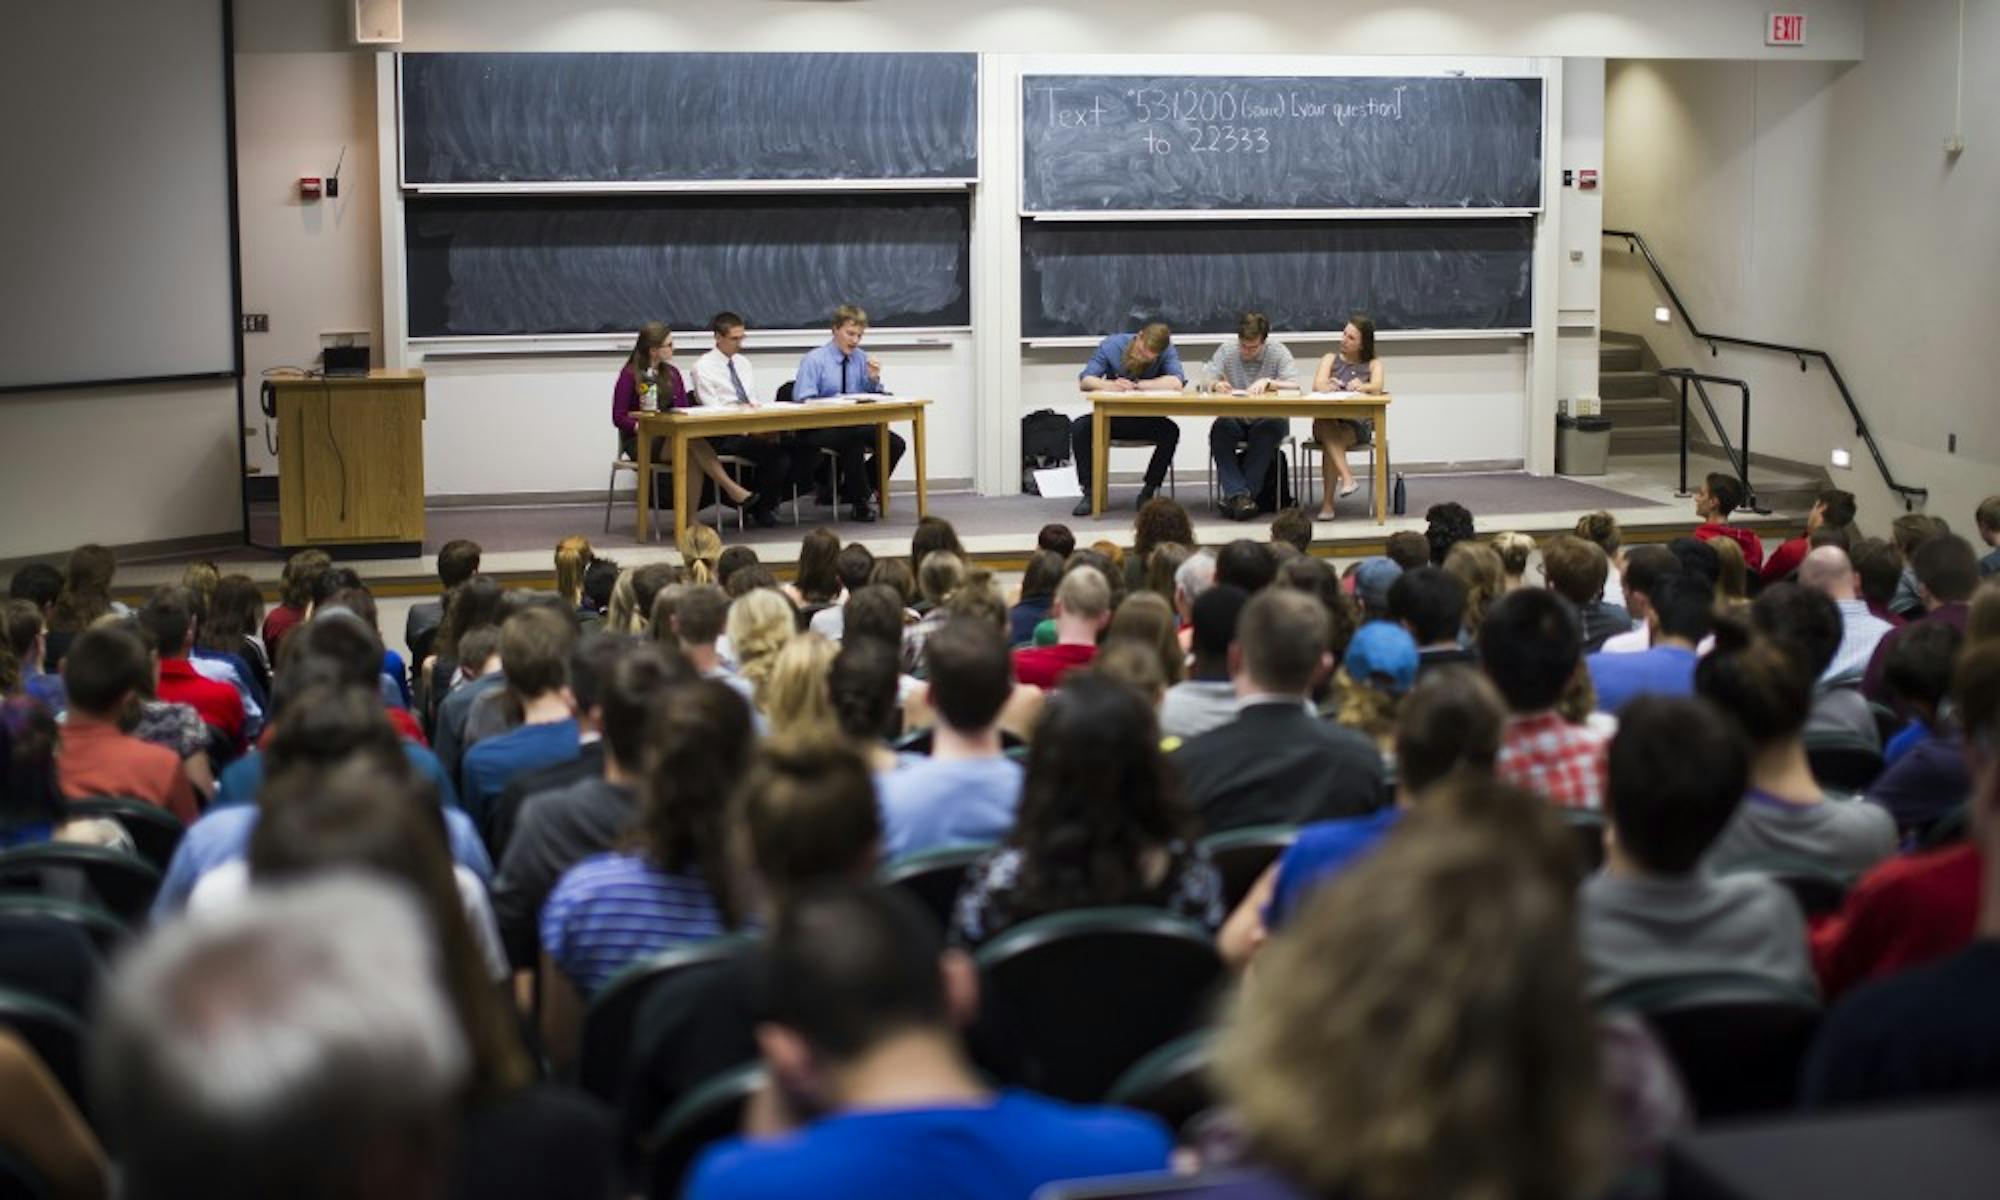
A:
[(1082, 508), (863, 513), (1241, 507)]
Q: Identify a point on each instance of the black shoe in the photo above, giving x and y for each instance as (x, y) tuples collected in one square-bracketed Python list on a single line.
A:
[(1246, 508), (749, 500), (863, 513), (763, 518), (1145, 494), (1082, 508)]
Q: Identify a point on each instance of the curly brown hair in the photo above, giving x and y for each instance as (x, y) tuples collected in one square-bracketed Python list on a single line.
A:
[(1160, 521)]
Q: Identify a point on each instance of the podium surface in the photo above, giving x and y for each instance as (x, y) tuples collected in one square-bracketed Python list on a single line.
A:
[(351, 461)]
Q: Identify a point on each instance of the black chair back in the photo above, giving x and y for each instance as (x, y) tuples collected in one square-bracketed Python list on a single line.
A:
[(19, 1181), (120, 883), (707, 1114), (106, 932), (56, 1035), (1587, 830), (1817, 889), (1172, 1083), (604, 1052), (155, 831), (785, 392), (934, 877), (1071, 1000), (1241, 855), (1843, 764), (1738, 1041)]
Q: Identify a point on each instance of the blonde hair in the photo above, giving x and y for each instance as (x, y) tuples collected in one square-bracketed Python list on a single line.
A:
[(1366, 709), (622, 615), (1514, 550), (1420, 1030), (700, 548), (573, 556), (939, 575), (795, 695), (1479, 568), (201, 578), (1732, 582), (760, 622)]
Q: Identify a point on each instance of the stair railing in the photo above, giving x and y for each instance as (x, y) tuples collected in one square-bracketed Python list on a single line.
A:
[(1912, 496), (1740, 460)]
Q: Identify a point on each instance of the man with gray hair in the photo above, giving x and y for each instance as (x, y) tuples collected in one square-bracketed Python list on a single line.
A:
[(1827, 570), (300, 1046), (1276, 763), (1193, 577)]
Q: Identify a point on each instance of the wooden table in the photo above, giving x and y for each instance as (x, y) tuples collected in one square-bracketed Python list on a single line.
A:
[(1345, 406), (682, 425)]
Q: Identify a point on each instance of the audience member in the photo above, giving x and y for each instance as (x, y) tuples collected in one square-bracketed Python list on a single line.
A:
[(1477, 566), (1445, 525), (1909, 532), (1408, 549), (1576, 570), (1826, 570), (1831, 508), (1380, 666), (457, 561), (1057, 539), (1531, 647), (861, 1042), (1678, 612), (1274, 762), (798, 701), (861, 682), (1038, 593), (1987, 520), (39, 584), (295, 592), (1293, 527), (1601, 530), (534, 658), (1514, 549), (32, 808), (1646, 567), (1207, 697), (1195, 575), (1946, 574), (759, 624), (1732, 580), (1718, 496), (1879, 566), (102, 673), (1808, 624), (1102, 822), (966, 790), (1373, 579), (169, 619), (1245, 564), (1430, 603), (1926, 774), (851, 567), (1081, 610), (24, 635), (1147, 620), (235, 613)]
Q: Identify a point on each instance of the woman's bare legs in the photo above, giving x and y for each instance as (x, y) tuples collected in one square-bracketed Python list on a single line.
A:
[(1335, 439), (702, 457)]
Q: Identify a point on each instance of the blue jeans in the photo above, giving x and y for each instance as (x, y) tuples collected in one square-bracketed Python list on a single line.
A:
[(1244, 475)]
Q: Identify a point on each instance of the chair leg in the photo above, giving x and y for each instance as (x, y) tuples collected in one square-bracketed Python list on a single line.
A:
[(609, 487)]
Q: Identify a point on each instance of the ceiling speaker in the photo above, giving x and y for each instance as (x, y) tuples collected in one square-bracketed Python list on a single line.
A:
[(378, 22)]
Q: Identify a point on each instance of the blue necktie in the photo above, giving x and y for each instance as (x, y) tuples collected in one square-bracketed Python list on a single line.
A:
[(742, 396)]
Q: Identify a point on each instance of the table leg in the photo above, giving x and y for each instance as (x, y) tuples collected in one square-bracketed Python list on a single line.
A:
[(923, 486), (882, 462), (643, 447), (1382, 468), (680, 448), (1100, 457)]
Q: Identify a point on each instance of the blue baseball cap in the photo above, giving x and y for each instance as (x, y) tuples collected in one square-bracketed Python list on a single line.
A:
[(1382, 654), (1372, 581)]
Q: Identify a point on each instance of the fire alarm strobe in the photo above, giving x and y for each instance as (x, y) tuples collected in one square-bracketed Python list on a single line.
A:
[(1586, 179), (308, 187)]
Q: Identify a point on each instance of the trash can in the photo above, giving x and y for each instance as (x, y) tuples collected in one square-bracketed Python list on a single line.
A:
[(1582, 445)]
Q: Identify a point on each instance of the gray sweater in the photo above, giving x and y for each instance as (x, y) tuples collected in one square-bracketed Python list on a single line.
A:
[(1644, 927), (1844, 836)]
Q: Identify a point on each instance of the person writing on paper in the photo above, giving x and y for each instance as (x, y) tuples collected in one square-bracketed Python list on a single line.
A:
[(1252, 364), (1131, 362), (1352, 368), (843, 368), (722, 378), (649, 382)]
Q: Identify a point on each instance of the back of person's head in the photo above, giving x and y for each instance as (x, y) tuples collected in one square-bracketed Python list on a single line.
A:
[(760, 622), (808, 809), (86, 590), (1530, 646), (1987, 516), (1477, 566), (1880, 565), (1917, 668), (1040, 576), (1843, 536), (818, 577), (932, 535), (862, 682), (591, 660), (534, 651), (633, 681), (1697, 558), (1914, 529), (1282, 636), (103, 667), (1677, 772), (38, 583), (1446, 525), (337, 637), (978, 598), (796, 695), (1133, 664), (20, 624), (1292, 527), (1827, 569), (701, 553), (1575, 568), (851, 965), (298, 1046), (1836, 507), (1147, 620), (647, 584), (1686, 609), (235, 610), (1084, 593), (333, 581), (325, 722), (1601, 528), (30, 792), (971, 674), (1217, 613), (1947, 568), (1982, 623), (853, 565), (1160, 521), (1725, 490), (1488, 1085), (754, 577), (1801, 619), (1514, 549), (1162, 564), (894, 573), (1057, 540), (663, 626), (939, 575), (874, 611), (1451, 721), (1646, 566), (698, 741), (1756, 681), (357, 600), (1732, 580), (458, 561), (169, 619), (301, 574), (599, 578), (730, 561), (1245, 564), (200, 578), (474, 603), (700, 612), (1431, 602), (1408, 549)]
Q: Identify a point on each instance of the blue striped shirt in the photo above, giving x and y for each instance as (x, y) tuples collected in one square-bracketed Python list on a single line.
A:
[(610, 910)]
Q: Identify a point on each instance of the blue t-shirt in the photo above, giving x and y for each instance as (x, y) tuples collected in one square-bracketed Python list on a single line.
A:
[(1660, 671), (1109, 361), (1323, 848), (491, 763), (934, 802), (610, 910), (1001, 1150), (241, 780)]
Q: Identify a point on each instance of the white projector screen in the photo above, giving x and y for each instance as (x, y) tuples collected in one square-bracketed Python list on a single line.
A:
[(115, 237)]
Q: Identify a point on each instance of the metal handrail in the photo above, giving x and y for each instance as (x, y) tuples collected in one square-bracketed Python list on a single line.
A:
[(1912, 496), (1742, 462)]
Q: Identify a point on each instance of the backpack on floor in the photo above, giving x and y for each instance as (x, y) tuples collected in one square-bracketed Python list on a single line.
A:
[(1044, 444), (1276, 494)]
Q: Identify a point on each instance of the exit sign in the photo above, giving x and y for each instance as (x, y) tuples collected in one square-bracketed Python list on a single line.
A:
[(1785, 29)]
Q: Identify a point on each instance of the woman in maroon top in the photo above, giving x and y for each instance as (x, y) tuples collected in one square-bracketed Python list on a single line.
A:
[(650, 382)]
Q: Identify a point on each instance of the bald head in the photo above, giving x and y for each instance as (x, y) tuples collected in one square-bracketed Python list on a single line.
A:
[(1827, 570)]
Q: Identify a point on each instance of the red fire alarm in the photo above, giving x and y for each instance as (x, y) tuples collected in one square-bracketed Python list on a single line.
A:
[(308, 187), (1587, 180)]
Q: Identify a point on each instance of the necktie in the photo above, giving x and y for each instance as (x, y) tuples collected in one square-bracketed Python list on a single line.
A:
[(735, 381), (843, 374)]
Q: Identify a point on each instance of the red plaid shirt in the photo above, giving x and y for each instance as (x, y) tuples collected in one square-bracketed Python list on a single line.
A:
[(1560, 762)]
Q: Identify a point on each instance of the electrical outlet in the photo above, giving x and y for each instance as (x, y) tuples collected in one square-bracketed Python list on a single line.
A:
[(256, 322), (1951, 443)]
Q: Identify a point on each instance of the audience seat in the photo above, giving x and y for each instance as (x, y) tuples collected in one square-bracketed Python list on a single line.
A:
[(123, 884), (1947, 830), (1587, 828), (56, 1035), (1738, 1040), (934, 876), (604, 1050), (1817, 889), (1843, 763), (1241, 855), (106, 932), (19, 1181), (1072, 1000), (154, 830), (708, 1114), (1172, 1083)]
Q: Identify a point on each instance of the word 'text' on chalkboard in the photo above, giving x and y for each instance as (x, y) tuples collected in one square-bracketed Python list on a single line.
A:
[(1156, 143), (627, 119), (1093, 278), (500, 266)]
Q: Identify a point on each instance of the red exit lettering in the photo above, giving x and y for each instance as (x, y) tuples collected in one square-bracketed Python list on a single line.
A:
[(1786, 29)]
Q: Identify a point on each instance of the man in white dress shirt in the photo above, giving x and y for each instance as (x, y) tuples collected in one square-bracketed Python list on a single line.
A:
[(723, 377)]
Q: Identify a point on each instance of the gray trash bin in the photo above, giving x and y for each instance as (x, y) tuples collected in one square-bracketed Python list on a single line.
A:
[(1582, 445)]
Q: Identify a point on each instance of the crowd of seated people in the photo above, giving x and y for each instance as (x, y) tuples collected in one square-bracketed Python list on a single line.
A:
[(595, 875)]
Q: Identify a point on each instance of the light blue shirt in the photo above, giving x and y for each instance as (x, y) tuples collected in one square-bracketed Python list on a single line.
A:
[(946, 802), (1109, 361), (823, 373)]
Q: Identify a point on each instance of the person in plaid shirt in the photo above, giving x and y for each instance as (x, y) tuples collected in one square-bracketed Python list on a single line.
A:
[(1531, 644)]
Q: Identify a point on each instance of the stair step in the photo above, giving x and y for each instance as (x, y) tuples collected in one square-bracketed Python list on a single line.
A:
[(1645, 439), (1627, 385), (1641, 410), (1613, 356)]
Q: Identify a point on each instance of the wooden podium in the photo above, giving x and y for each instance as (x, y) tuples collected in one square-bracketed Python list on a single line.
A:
[(351, 462)]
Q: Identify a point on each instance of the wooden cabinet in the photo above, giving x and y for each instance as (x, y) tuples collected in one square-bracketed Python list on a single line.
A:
[(351, 460)]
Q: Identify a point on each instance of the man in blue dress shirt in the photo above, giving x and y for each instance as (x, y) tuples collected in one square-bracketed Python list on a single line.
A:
[(1131, 362), (841, 368)]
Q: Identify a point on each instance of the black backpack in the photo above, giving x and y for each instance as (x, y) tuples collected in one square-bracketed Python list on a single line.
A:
[(1044, 444), (1276, 493)]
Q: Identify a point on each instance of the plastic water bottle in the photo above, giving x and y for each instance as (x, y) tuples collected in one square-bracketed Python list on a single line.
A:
[(1399, 502)]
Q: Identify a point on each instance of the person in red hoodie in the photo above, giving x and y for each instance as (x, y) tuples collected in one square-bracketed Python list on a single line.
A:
[(1718, 496), (1832, 509), (168, 618), (1082, 609)]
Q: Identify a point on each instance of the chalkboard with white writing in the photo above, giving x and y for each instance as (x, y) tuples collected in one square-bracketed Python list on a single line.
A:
[(1124, 143)]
